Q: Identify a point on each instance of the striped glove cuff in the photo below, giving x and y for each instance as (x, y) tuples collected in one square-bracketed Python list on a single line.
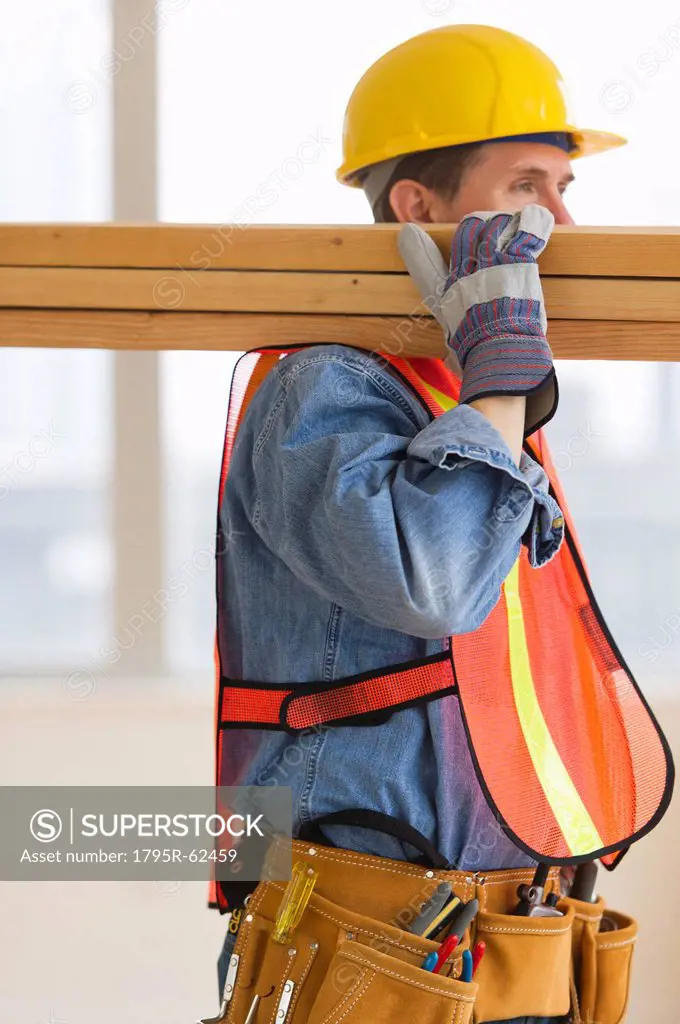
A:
[(502, 348)]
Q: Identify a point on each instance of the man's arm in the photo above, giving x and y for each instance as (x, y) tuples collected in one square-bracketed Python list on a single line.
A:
[(507, 415), (411, 529)]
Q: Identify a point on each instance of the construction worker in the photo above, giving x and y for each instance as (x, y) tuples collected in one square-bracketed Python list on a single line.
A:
[(365, 535)]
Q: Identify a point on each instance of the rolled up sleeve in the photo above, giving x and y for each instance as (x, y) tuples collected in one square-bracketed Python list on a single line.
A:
[(411, 526), (464, 436)]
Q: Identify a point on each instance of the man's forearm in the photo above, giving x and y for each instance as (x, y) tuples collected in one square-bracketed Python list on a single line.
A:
[(507, 416)]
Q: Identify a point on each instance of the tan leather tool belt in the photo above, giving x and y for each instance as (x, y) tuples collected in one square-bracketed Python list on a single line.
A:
[(351, 959)]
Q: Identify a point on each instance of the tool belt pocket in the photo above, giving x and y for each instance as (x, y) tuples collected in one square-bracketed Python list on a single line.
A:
[(603, 943), (340, 965), (269, 977), (365, 984), (526, 969)]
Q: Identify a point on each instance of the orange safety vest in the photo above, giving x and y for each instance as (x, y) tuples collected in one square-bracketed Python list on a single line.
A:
[(565, 747)]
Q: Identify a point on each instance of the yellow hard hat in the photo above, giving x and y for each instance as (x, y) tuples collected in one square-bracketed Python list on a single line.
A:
[(454, 85)]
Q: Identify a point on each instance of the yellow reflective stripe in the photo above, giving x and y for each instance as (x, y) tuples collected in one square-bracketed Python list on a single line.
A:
[(572, 816), (444, 400)]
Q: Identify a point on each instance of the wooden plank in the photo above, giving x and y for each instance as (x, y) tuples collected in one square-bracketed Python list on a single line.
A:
[(569, 339), (573, 251), (238, 291)]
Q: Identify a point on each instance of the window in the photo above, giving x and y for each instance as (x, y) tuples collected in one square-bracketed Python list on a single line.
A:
[(55, 416)]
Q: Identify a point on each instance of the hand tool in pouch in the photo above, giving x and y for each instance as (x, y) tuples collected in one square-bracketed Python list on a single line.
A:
[(294, 901), (227, 994), (431, 909), (461, 918), (430, 961), (531, 897), (445, 951), (235, 919), (477, 954), (583, 886)]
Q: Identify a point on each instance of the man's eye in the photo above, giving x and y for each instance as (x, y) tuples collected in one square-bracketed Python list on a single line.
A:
[(526, 186)]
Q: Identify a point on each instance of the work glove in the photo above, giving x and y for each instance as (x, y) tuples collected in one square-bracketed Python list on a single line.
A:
[(490, 305)]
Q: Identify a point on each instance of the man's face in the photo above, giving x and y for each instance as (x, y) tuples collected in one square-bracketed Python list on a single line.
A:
[(505, 176)]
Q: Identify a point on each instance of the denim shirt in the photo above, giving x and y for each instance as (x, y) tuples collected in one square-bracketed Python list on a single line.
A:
[(358, 532)]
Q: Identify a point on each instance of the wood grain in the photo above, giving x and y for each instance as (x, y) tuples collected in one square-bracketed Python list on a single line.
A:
[(611, 293), (242, 291), (573, 251), (237, 332)]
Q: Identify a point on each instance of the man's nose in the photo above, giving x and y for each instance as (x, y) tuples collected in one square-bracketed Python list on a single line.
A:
[(559, 210)]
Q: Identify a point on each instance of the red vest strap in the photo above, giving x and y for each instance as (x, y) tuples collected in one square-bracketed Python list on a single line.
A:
[(347, 701)]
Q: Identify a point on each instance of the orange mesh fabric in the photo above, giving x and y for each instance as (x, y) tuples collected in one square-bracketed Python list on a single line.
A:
[(583, 738), (500, 749), (247, 704), (385, 691)]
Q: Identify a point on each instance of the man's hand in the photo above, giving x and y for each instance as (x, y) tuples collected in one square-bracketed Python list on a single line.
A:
[(489, 302)]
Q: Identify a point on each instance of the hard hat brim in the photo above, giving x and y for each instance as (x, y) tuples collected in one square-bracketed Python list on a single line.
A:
[(588, 142)]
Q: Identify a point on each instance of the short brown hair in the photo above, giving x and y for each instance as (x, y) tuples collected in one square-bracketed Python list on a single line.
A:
[(439, 169)]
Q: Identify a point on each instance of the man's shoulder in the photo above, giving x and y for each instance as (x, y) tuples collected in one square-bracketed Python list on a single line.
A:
[(328, 354), (329, 360), (326, 377)]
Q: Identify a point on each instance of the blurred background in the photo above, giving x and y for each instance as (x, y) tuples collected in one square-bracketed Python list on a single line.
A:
[(111, 110)]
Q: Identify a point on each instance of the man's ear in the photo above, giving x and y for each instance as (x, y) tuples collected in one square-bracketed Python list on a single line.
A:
[(411, 201)]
